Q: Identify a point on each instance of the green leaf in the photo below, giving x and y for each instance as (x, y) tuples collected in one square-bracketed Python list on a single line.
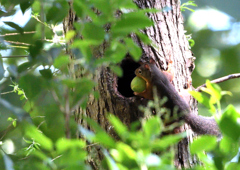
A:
[(24, 66), (134, 50), (203, 143), (57, 12), (131, 22), (61, 61), (214, 90), (104, 6), (72, 153), (10, 119), (33, 133), (70, 34), (35, 49), (64, 144), (229, 123), (228, 147), (92, 31), (25, 5), (232, 165), (125, 154), (79, 7), (32, 85), (46, 73), (203, 99), (167, 141), (117, 70), (144, 38), (101, 136), (14, 123), (117, 52), (15, 26), (119, 127), (151, 127)]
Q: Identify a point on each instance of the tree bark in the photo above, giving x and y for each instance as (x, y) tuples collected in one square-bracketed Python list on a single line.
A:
[(116, 96)]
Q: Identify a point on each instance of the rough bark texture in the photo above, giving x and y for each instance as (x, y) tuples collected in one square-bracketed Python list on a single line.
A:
[(170, 45)]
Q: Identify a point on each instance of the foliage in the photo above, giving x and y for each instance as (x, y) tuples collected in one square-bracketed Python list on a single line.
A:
[(38, 132), (223, 152), (40, 126), (189, 3)]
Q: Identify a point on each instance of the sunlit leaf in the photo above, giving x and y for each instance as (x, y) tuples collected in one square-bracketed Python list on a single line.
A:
[(209, 142), (152, 127), (33, 133), (70, 34), (203, 99), (229, 123), (66, 144)]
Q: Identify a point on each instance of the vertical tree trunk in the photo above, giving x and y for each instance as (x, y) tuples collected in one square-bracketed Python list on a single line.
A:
[(116, 96)]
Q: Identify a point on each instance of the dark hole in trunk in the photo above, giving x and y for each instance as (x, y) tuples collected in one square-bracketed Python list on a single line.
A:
[(128, 66)]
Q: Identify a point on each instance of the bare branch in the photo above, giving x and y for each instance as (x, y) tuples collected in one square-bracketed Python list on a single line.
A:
[(7, 92), (16, 42), (10, 34), (219, 80)]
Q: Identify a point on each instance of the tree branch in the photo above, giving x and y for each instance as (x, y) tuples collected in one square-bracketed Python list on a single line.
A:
[(219, 80), (16, 42), (9, 34)]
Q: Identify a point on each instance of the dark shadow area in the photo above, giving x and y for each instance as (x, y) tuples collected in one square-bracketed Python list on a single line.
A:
[(128, 66)]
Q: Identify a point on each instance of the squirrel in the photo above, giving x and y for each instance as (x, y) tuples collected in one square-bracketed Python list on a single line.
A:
[(154, 77)]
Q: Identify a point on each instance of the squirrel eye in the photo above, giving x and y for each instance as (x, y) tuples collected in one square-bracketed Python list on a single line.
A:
[(140, 71)]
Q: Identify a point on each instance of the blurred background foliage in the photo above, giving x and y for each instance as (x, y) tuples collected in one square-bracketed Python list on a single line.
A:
[(215, 28)]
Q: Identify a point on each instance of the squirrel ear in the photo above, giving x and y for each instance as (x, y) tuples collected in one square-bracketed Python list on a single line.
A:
[(151, 61), (146, 66)]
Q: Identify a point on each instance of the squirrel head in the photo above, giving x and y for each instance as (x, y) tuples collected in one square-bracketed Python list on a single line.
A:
[(144, 71)]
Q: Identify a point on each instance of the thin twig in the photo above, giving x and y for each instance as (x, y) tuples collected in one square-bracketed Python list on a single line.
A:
[(14, 56), (4, 132), (7, 92), (15, 46), (67, 115), (16, 42), (219, 80), (93, 144), (10, 34), (56, 158)]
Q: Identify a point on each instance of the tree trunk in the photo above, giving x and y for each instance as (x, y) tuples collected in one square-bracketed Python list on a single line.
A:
[(116, 96)]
